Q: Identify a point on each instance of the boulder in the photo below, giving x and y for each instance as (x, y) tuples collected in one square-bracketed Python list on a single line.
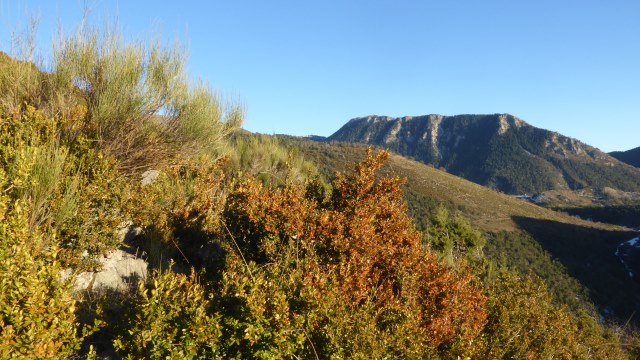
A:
[(120, 271), (149, 176)]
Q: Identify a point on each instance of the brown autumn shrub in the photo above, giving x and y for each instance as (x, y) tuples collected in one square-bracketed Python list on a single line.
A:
[(362, 249)]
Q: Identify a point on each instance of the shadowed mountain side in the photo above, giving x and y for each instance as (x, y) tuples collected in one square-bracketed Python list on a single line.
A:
[(589, 256), (631, 157), (620, 215)]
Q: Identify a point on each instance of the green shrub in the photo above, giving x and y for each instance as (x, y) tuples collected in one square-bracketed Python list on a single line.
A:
[(266, 158), (168, 319), (181, 212), (524, 323), (454, 237), (37, 311), (74, 193)]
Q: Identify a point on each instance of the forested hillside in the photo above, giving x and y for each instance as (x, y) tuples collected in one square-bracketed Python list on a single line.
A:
[(252, 252)]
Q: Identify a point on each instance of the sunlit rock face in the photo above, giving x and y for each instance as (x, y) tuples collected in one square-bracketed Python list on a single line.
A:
[(118, 271)]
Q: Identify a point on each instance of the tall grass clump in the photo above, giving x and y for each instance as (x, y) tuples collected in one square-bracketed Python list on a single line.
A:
[(133, 99), (20, 79), (269, 160), (140, 105), (20, 82)]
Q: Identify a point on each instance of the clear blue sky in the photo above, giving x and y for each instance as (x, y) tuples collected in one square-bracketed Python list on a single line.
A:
[(306, 67)]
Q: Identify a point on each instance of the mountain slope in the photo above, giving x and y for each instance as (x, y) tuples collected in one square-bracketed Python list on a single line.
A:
[(631, 157), (499, 151), (570, 254)]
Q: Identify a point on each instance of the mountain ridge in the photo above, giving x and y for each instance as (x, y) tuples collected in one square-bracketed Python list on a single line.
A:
[(631, 157), (501, 151)]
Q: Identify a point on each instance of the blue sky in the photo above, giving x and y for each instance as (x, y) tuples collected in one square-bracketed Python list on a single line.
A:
[(306, 67)]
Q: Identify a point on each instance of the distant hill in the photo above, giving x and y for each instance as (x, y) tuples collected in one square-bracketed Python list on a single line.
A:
[(631, 157), (571, 254), (499, 151)]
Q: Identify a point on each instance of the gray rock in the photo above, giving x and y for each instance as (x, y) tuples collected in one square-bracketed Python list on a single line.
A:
[(120, 271), (149, 176)]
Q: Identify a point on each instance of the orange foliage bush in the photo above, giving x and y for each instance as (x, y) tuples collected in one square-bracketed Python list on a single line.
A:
[(362, 245)]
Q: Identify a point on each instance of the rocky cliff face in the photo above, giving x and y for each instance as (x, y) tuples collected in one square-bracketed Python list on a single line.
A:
[(500, 150)]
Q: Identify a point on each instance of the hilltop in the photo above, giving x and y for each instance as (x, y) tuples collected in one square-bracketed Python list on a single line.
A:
[(631, 157), (500, 151)]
